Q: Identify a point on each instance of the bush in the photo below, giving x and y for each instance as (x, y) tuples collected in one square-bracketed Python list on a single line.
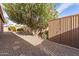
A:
[(20, 29), (12, 28), (9, 29), (43, 35)]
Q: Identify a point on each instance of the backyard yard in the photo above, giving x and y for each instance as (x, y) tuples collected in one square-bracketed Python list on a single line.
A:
[(12, 44), (35, 30)]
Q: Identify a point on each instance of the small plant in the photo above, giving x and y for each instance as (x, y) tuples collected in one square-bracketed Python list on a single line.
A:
[(43, 35), (20, 29), (12, 28), (9, 29)]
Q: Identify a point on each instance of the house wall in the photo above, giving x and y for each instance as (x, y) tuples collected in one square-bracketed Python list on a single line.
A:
[(65, 30)]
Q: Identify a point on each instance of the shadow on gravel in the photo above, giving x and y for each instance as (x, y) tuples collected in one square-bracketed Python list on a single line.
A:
[(24, 33), (56, 49), (14, 45)]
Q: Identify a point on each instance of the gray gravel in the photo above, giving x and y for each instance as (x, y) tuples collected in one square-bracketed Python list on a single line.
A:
[(12, 45)]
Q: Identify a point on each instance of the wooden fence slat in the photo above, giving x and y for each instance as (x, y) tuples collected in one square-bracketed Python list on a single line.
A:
[(65, 30)]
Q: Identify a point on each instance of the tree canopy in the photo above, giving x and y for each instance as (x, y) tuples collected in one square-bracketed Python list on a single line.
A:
[(34, 15)]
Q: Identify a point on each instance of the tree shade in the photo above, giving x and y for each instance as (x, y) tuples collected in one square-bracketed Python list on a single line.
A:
[(34, 15)]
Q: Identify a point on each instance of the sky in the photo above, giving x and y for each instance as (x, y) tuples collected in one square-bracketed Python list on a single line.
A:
[(64, 9)]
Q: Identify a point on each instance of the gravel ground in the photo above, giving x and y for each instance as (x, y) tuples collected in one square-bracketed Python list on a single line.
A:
[(12, 45), (51, 48), (55, 49)]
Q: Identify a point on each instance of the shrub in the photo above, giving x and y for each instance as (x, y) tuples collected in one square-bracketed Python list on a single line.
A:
[(43, 35), (9, 29), (20, 29), (12, 28)]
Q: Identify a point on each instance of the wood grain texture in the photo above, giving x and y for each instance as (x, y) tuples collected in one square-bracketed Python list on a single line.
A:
[(65, 30)]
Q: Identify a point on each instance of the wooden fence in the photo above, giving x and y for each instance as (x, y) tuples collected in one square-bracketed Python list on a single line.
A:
[(65, 30)]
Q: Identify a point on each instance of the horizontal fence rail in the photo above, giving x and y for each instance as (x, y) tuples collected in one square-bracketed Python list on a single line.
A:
[(65, 30)]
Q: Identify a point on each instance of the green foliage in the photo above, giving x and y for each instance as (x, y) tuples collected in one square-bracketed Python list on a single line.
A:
[(43, 35), (35, 15), (9, 28), (20, 29), (12, 28), (5, 21)]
